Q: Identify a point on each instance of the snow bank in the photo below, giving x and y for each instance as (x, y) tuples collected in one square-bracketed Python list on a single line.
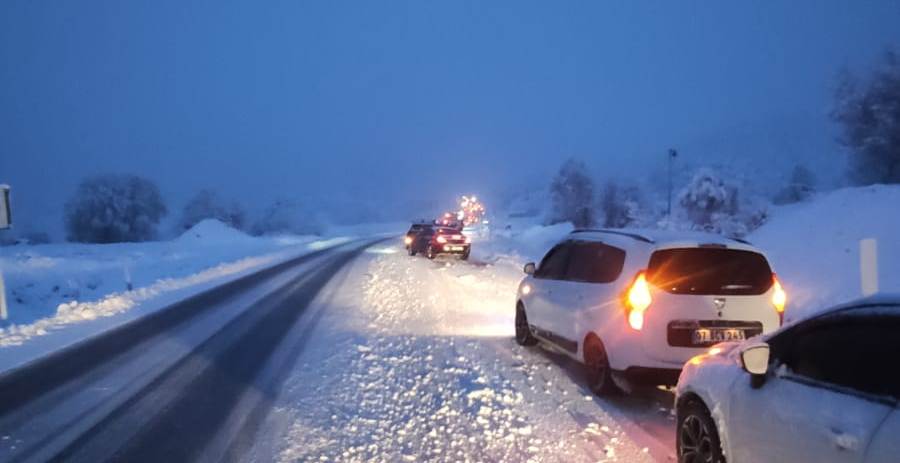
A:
[(213, 232), (814, 245)]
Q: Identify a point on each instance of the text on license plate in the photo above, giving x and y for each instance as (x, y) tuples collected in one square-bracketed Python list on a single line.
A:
[(708, 335)]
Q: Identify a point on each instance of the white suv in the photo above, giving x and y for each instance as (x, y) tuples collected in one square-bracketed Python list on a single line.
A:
[(635, 305)]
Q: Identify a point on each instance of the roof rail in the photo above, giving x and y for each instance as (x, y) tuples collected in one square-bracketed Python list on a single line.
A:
[(614, 232), (740, 240)]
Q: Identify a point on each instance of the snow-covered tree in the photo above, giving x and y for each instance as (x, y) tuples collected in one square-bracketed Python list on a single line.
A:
[(870, 118), (114, 208), (620, 205), (800, 186), (707, 197), (714, 205), (572, 195), (206, 204), (287, 216)]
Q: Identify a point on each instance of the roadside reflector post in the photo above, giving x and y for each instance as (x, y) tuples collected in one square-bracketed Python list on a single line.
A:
[(4, 314), (5, 222), (868, 266)]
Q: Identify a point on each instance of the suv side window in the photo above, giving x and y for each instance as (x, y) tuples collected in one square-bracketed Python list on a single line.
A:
[(553, 266), (592, 262), (848, 351)]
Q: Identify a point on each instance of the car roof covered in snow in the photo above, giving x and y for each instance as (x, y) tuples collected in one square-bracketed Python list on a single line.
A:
[(661, 238)]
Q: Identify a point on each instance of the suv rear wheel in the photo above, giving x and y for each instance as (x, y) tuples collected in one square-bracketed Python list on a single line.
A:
[(599, 373), (523, 331), (697, 438), (429, 252)]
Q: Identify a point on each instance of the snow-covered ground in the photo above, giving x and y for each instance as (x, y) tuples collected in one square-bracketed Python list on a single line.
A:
[(814, 245), (71, 291), (410, 359), (414, 360)]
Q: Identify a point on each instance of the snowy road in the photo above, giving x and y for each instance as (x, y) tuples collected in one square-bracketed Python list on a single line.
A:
[(414, 360), (354, 354)]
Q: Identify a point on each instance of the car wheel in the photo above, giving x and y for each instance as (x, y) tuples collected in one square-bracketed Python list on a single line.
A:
[(429, 252), (523, 331), (412, 250), (697, 438), (464, 256), (599, 373)]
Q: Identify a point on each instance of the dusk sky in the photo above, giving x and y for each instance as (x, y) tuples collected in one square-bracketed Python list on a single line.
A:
[(386, 100)]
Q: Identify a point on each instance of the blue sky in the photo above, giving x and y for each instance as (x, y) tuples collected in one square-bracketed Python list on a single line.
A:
[(387, 100)]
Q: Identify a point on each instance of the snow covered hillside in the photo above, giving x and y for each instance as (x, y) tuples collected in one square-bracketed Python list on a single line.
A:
[(814, 245)]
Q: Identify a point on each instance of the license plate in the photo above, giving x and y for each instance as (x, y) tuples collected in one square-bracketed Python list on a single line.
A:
[(456, 248), (714, 335)]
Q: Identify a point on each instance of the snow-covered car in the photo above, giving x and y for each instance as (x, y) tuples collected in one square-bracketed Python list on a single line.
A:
[(633, 306), (433, 241), (825, 389)]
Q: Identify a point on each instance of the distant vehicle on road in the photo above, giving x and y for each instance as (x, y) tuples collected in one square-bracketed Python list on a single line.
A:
[(434, 241), (633, 306), (825, 389), (414, 229), (449, 220)]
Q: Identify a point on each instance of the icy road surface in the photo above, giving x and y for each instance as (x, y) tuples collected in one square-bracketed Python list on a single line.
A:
[(413, 360)]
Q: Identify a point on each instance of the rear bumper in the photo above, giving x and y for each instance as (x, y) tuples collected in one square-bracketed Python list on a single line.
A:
[(651, 375), (452, 249)]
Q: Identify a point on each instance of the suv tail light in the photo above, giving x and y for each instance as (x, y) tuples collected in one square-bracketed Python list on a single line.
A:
[(441, 239), (779, 298), (637, 300)]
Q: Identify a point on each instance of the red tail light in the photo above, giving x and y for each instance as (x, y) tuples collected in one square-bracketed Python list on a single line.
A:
[(637, 299), (779, 298), (441, 239)]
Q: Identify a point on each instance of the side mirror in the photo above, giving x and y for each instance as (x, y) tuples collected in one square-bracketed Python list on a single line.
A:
[(529, 268), (755, 360)]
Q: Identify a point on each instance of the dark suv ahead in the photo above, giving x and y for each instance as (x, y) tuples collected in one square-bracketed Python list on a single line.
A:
[(432, 241), (414, 229)]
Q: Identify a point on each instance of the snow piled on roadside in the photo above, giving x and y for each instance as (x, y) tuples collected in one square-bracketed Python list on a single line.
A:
[(814, 245), (116, 303), (53, 286)]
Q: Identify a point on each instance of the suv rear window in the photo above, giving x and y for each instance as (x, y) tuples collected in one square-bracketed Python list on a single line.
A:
[(709, 271)]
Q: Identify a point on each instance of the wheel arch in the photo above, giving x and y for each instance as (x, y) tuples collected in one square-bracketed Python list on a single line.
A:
[(591, 338), (687, 398)]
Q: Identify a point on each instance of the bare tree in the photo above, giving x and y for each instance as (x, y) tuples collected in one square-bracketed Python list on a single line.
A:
[(869, 113), (801, 185), (619, 205), (572, 193)]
